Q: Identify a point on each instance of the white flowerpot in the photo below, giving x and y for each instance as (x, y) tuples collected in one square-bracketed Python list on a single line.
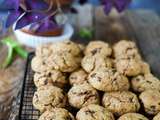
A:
[(33, 40)]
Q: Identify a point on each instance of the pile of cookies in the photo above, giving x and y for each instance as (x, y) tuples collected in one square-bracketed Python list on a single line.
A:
[(98, 81)]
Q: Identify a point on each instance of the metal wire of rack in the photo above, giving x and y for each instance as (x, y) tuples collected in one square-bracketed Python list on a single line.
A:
[(27, 111)]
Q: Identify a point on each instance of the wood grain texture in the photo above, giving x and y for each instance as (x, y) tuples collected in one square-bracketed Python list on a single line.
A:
[(109, 28), (145, 27)]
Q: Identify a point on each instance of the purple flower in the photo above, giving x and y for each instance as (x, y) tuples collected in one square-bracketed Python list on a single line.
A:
[(29, 18), (120, 5), (13, 17), (9, 5), (36, 5), (47, 25)]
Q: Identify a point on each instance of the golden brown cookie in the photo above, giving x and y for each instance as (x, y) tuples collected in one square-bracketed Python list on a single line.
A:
[(108, 79), (98, 47), (129, 67), (44, 50), (63, 61), (51, 77), (94, 112), (48, 97), (92, 62), (144, 82), (151, 101), (82, 95), (133, 116), (78, 77), (56, 114), (38, 64), (126, 49), (120, 103), (145, 68), (66, 46), (157, 117)]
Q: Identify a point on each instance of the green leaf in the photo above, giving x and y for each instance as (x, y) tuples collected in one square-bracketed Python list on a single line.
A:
[(13, 46), (86, 33), (9, 57)]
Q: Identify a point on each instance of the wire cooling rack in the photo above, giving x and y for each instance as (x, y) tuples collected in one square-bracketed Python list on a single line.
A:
[(27, 111)]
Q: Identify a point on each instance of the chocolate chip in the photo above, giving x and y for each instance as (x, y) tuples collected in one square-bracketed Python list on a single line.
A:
[(99, 79), (149, 82), (153, 108), (93, 75), (46, 82), (90, 112), (49, 74), (95, 51), (72, 77), (68, 118), (137, 79)]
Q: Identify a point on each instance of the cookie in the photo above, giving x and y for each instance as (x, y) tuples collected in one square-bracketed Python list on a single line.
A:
[(48, 97), (94, 112), (98, 47), (43, 50), (108, 79), (91, 62), (145, 68), (157, 117), (63, 61), (144, 82), (121, 102), (82, 47), (82, 95), (129, 67), (133, 116), (56, 114), (126, 50), (66, 46), (78, 77), (151, 101), (51, 77), (38, 64)]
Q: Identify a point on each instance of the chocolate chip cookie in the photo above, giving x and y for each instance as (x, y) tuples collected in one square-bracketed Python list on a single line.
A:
[(78, 77), (82, 95), (66, 46), (108, 79), (94, 112), (145, 68), (98, 47), (63, 61), (144, 82), (133, 116), (38, 64), (56, 114), (48, 97), (121, 102), (51, 77), (151, 101), (92, 62), (126, 50), (129, 67), (44, 50), (157, 117)]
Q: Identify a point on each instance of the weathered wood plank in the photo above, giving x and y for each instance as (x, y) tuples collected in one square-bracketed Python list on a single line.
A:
[(146, 30), (109, 28)]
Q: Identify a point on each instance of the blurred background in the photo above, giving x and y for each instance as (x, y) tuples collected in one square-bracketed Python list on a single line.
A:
[(10, 72)]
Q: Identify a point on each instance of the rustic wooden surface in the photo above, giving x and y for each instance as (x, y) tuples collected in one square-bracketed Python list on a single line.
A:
[(141, 26), (145, 27), (10, 82)]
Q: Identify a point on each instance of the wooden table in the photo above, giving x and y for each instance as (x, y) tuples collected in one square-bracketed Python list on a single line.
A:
[(141, 26)]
